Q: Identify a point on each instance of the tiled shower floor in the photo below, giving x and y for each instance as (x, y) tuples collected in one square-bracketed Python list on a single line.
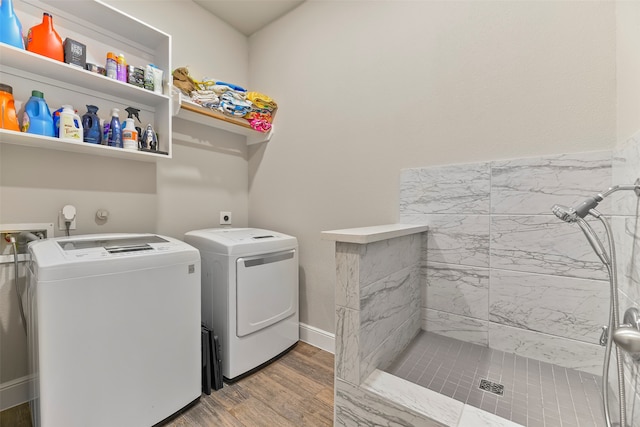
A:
[(536, 394)]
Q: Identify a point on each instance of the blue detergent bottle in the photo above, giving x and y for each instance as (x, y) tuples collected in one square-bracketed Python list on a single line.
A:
[(115, 130), (37, 118), (91, 126), (10, 26)]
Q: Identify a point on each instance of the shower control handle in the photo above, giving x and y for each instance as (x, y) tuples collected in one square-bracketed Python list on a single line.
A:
[(627, 335)]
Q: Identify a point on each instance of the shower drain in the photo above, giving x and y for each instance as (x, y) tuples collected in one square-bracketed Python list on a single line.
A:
[(491, 387)]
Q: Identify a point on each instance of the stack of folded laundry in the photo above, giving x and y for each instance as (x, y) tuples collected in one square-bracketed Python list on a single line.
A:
[(232, 100), (263, 108)]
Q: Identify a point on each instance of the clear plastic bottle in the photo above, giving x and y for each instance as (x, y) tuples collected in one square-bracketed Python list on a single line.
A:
[(112, 66)]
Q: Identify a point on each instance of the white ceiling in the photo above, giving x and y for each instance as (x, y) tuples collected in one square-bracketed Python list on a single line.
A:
[(248, 16)]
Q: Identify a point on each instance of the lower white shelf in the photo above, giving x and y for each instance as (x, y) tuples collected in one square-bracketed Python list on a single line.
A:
[(46, 142)]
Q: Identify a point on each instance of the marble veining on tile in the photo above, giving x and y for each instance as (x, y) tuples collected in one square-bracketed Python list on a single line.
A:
[(457, 289), (626, 170), (557, 305), (418, 399), (533, 185), (544, 245), (355, 406), (347, 292), (455, 189), (380, 259), (626, 232), (458, 239), (385, 305), (455, 326), (391, 347), (347, 356), (578, 355)]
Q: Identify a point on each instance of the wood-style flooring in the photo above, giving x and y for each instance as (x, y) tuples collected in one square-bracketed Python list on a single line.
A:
[(295, 390)]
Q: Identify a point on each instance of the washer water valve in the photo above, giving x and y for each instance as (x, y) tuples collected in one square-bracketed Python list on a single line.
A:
[(102, 214)]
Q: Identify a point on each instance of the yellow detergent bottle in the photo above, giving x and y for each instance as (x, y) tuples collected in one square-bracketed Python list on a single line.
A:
[(70, 125)]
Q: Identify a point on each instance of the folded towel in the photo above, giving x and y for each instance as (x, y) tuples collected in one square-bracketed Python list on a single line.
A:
[(232, 106), (262, 101)]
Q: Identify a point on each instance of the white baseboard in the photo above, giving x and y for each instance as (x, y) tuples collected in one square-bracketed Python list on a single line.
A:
[(15, 392), (318, 338)]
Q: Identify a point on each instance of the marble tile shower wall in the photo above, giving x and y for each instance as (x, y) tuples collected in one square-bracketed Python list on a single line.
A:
[(377, 303), (501, 270), (626, 230)]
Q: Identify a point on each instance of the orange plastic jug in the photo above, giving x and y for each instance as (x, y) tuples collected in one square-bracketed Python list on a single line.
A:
[(8, 118), (44, 40)]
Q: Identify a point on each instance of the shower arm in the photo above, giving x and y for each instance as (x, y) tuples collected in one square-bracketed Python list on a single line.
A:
[(583, 208), (634, 187)]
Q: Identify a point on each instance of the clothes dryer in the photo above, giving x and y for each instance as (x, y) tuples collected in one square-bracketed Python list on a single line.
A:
[(113, 329), (249, 294)]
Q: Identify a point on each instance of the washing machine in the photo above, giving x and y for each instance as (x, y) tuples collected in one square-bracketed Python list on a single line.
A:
[(249, 294), (113, 329)]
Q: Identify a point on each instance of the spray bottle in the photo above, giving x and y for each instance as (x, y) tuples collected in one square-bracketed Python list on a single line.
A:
[(115, 131), (133, 112), (129, 131)]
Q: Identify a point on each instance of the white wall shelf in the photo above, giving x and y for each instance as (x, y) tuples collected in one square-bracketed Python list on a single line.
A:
[(46, 142), (190, 111), (101, 28)]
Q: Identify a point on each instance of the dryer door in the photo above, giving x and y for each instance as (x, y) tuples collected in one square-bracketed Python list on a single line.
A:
[(266, 290)]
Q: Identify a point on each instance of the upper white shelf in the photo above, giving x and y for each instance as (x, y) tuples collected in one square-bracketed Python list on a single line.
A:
[(186, 109), (119, 24), (101, 28), (25, 61)]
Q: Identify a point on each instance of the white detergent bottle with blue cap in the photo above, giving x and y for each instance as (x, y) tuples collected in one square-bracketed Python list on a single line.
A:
[(70, 125), (115, 131)]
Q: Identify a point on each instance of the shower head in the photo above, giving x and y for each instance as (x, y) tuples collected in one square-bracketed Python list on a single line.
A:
[(571, 216), (564, 213)]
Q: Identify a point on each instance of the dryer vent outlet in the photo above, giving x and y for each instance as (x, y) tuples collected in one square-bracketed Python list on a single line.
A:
[(225, 218)]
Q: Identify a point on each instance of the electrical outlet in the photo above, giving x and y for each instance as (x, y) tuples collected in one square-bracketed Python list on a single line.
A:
[(68, 213), (61, 223), (225, 218)]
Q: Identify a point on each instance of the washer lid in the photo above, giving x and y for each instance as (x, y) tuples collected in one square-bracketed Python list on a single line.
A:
[(239, 240), (97, 254), (111, 244)]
